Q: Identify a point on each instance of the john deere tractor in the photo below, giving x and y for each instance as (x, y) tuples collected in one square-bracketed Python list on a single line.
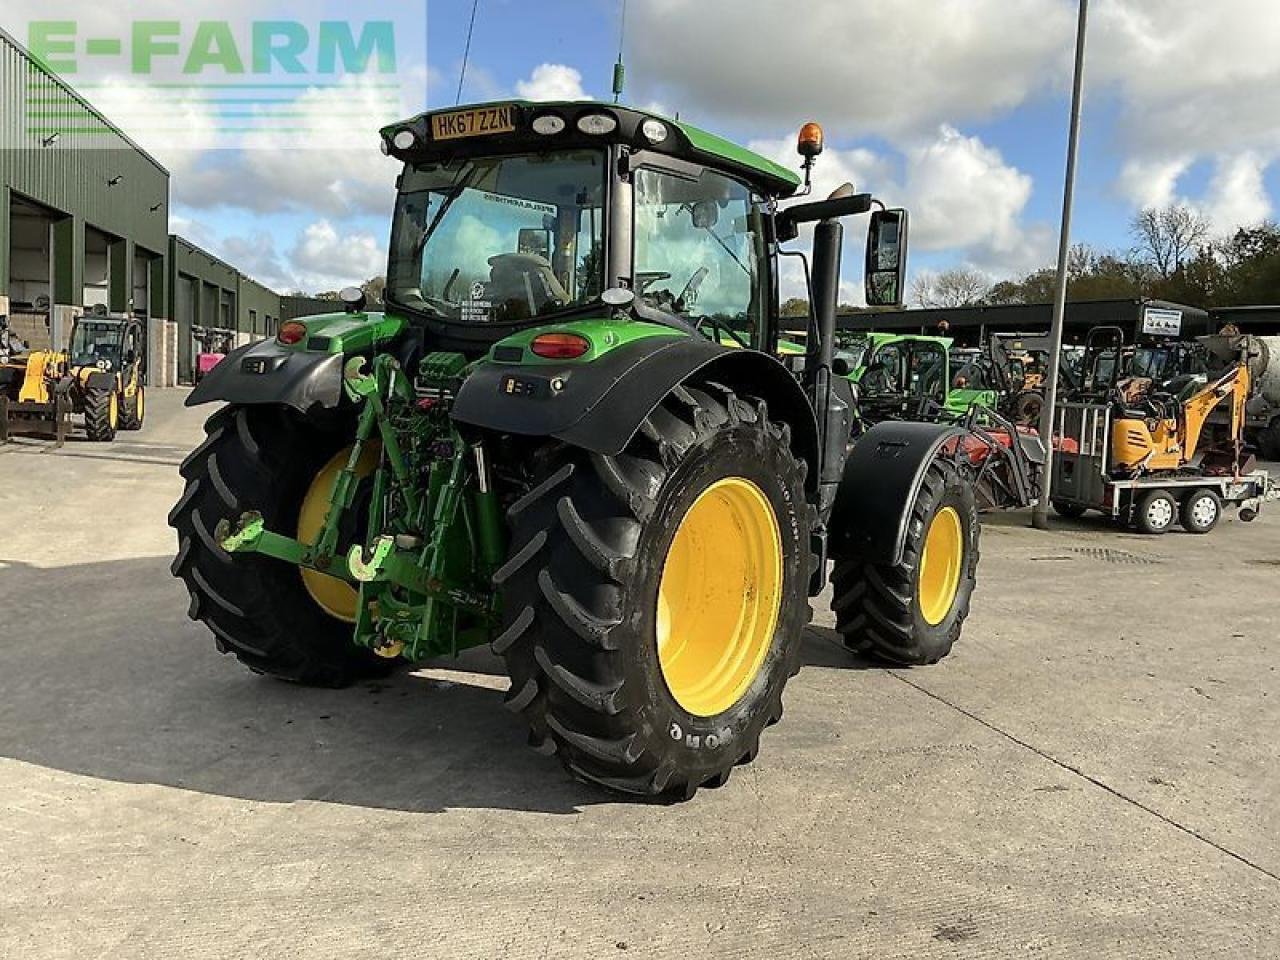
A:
[(568, 435)]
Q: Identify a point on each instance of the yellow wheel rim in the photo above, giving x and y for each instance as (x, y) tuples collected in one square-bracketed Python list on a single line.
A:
[(719, 596), (940, 565), (336, 597), (141, 402), (113, 411)]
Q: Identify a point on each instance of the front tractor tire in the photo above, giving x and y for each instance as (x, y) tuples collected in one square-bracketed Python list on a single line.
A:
[(654, 601), (133, 409), (272, 616), (101, 413), (911, 613)]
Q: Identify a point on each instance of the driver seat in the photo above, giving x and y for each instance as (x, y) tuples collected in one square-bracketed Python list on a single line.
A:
[(520, 281)]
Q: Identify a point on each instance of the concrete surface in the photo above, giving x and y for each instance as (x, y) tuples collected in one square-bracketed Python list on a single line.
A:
[(1093, 773)]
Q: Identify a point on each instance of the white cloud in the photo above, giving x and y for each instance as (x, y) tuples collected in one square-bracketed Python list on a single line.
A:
[(324, 257), (1236, 194), (963, 198), (864, 68), (552, 81), (962, 194), (1196, 80)]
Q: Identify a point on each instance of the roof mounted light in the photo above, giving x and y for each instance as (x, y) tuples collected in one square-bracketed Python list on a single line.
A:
[(384, 147), (404, 139), (655, 131), (597, 124), (809, 143), (548, 124)]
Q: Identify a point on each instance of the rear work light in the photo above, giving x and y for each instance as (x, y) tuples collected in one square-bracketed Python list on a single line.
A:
[(291, 333), (560, 346)]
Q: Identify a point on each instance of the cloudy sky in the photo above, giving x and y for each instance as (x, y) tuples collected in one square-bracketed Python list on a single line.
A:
[(955, 109)]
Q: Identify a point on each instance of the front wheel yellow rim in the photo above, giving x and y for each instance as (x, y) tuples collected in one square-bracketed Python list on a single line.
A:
[(719, 596), (335, 597), (113, 411), (940, 565), (141, 401)]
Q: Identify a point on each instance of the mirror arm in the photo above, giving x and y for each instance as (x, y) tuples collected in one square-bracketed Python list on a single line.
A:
[(788, 220)]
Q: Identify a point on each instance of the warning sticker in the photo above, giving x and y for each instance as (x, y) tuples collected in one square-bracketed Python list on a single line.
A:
[(477, 309)]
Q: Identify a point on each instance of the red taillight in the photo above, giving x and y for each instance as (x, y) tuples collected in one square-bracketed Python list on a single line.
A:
[(291, 333), (560, 346)]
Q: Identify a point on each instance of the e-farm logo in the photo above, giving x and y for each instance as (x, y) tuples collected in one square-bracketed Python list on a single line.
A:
[(226, 82), (275, 46)]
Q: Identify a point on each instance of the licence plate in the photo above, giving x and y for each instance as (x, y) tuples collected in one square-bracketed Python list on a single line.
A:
[(479, 122)]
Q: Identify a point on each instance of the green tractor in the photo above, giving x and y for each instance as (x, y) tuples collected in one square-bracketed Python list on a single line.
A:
[(569, 435), (905, 376)]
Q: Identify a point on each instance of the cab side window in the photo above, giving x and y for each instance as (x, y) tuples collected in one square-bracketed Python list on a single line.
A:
[(698, 249)]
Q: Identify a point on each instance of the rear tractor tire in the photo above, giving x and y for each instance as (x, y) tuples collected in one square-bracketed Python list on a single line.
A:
[(101, 413), (911, 613), (273, 617), (654, 601), (133, 409)]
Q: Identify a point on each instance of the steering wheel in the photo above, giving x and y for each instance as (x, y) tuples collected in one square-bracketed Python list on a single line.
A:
[(689, 295)]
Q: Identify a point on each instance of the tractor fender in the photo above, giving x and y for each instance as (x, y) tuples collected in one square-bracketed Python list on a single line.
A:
[(599, 406), (882, 477), (100, 380), (267, 372)]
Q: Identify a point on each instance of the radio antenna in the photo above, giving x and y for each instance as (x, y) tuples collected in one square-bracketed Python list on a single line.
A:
[(619, 69), (466, 52)]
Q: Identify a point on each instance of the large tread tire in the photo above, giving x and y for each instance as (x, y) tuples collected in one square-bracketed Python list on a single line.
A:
[(261, 458), (99, 423), (589, 540), (877, 606), (133, 409)]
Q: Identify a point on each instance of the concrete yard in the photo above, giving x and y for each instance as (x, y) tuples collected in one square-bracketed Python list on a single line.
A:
[(1095, 772)]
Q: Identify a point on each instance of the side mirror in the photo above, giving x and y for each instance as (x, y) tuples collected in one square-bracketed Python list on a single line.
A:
[(886, 267)]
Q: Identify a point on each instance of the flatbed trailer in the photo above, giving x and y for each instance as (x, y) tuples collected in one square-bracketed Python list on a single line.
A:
[(1081, 481)]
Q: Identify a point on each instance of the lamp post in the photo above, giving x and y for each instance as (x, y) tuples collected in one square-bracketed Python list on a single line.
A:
[(1040, 516)]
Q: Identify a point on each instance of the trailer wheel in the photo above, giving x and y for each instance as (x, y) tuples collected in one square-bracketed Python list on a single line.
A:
[(101, 413), (653, 601), (1068, 509), (911, 614), (1156, 512), (273, 617), (1201, 511)]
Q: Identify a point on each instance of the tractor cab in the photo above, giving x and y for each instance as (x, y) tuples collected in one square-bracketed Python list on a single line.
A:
[(523, 214), (101, 342)]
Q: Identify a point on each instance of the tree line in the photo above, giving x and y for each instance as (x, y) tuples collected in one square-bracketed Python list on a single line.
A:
[(1173, 257)]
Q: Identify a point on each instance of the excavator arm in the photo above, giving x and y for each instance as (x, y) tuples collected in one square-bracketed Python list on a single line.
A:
[(1234, 384)]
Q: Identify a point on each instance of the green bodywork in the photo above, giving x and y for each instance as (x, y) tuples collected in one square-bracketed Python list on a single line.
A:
[(866, 348), (603, 335), (348, 333)]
